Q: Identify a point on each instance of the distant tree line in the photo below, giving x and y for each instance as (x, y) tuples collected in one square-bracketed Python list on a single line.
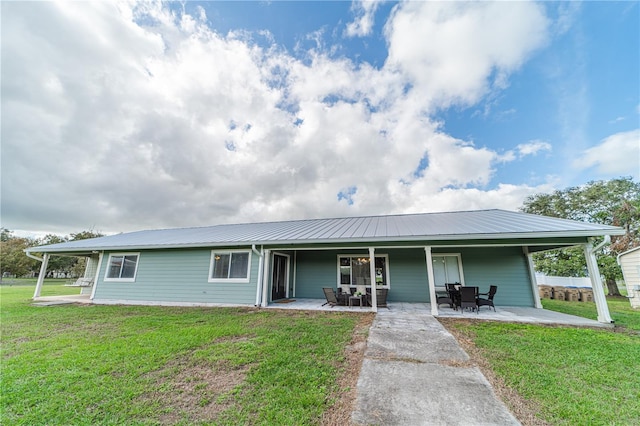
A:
[(615, 202), (15, 263)]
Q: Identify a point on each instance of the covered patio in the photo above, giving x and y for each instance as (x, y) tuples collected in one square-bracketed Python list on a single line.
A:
[(502, 313)]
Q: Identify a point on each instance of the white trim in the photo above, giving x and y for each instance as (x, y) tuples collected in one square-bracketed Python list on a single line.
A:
[(460, 270), (229, 280), (295, 271), (259, 279), (122, 280), (384, 255)]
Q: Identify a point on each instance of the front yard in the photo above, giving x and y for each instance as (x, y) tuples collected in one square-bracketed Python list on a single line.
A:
[(91, 365)]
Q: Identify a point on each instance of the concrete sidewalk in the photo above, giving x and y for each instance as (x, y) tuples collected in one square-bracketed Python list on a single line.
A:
[(415, 373)]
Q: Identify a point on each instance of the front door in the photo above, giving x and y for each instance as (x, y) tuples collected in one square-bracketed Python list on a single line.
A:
[(279, 277)]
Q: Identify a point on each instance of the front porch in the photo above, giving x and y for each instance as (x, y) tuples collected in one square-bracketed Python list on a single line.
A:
[(502, 313)]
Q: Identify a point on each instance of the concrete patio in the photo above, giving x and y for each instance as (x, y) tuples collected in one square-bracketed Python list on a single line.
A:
[(502, 313)]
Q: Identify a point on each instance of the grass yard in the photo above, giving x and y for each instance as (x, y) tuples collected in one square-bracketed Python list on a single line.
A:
[(562, 375), (71, 364)]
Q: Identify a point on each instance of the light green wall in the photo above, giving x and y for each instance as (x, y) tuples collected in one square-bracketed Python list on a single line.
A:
[(181, 276), (505, 267), (177, 276)]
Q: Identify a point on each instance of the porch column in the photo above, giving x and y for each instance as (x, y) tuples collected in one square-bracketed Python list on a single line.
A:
[(432, 281), (532, 277), (265, 278), (372, 273), (596, 285), (43, 272), (95, 283)]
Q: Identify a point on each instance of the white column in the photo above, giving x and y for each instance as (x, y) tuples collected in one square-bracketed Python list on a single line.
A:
[(43, 272), (596, 285), (532, 277), (372, 272), (95, 283), (265, 278), (432, 281), (259, 278)]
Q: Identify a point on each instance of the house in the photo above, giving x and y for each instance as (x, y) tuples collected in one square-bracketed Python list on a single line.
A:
[(411, 255), (629, 262)]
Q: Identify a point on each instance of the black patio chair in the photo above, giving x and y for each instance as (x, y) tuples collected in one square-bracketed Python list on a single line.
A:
[(381, 297), (444, 298), (489, 300), (330, 295), (469, 298), (453, 290)]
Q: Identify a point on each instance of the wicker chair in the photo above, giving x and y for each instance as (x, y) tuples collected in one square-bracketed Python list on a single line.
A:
[(468, 298), (489, 300), (330, 295)]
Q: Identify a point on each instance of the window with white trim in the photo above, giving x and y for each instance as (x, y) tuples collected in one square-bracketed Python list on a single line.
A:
[(122, 267), (229, 265), (354, 270)]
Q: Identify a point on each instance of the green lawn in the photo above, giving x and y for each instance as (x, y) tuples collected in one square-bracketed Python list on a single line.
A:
[(573, 376), (71, 364)]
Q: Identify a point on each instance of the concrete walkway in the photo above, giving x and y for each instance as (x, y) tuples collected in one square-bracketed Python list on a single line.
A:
[(415, 373)]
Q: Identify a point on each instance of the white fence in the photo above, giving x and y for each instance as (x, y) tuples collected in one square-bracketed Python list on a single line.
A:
[(563, 281)]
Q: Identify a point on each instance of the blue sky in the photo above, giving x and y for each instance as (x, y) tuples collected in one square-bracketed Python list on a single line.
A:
[(128, 116)]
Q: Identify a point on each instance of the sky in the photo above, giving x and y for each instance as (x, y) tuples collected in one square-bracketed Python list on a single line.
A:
[(141, 115)]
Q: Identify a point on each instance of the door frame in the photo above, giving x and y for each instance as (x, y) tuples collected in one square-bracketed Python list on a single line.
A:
[(286, 272)]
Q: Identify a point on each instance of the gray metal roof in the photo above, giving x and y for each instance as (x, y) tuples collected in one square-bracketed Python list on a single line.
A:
[(465, 225)]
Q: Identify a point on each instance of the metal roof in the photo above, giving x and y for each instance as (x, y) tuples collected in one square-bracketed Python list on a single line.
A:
[(464, 225)]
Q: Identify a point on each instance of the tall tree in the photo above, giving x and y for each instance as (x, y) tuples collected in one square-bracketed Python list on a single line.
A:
[(13, 261), (614, 202)]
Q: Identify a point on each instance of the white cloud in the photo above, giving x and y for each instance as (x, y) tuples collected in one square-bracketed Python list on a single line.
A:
[(134, 116), (456, 52), (532, 148), (616, 155), (364, 12)]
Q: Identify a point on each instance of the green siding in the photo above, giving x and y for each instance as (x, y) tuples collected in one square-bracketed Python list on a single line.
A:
[(177, 276), (408, 275), (315, 269), (505, 267)]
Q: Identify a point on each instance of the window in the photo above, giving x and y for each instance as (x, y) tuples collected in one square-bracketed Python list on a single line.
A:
[(229, 266), (354, 270), (122, 267)]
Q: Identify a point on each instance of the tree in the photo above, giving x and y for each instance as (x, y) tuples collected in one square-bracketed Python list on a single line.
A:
[(614, 202), (13, 260)]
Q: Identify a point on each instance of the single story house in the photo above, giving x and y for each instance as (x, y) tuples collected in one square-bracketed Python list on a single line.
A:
[(629, 262), (411, 255)]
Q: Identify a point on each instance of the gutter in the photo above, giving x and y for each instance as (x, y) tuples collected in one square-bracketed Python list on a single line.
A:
[(606, 241), (39, 259)]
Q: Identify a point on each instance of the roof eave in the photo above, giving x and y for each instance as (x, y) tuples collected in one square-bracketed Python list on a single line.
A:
[(443, 237)]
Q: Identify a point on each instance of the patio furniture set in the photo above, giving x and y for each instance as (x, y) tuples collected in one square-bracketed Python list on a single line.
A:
[(349, 296), (466, 297)]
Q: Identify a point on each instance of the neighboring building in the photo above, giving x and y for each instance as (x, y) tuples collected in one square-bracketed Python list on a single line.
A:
[(629, 262), (257, 263)]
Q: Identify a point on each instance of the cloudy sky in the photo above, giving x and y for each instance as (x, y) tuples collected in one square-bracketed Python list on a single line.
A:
[(126, 116)]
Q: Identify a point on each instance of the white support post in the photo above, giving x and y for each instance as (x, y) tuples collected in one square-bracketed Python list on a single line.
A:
[(372, 272), (431, 281), (532, 277), (259, 278), (596, 285), (43, 272), (265, 278), (95, 283)]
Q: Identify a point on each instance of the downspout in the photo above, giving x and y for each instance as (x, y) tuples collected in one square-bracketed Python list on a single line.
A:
[(259, 281)]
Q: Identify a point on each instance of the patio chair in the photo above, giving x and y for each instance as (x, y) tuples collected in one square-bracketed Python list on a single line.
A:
[(330, 295), (489, 300), (453, 290), (444, 298), (468, 298), (381, 297)]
